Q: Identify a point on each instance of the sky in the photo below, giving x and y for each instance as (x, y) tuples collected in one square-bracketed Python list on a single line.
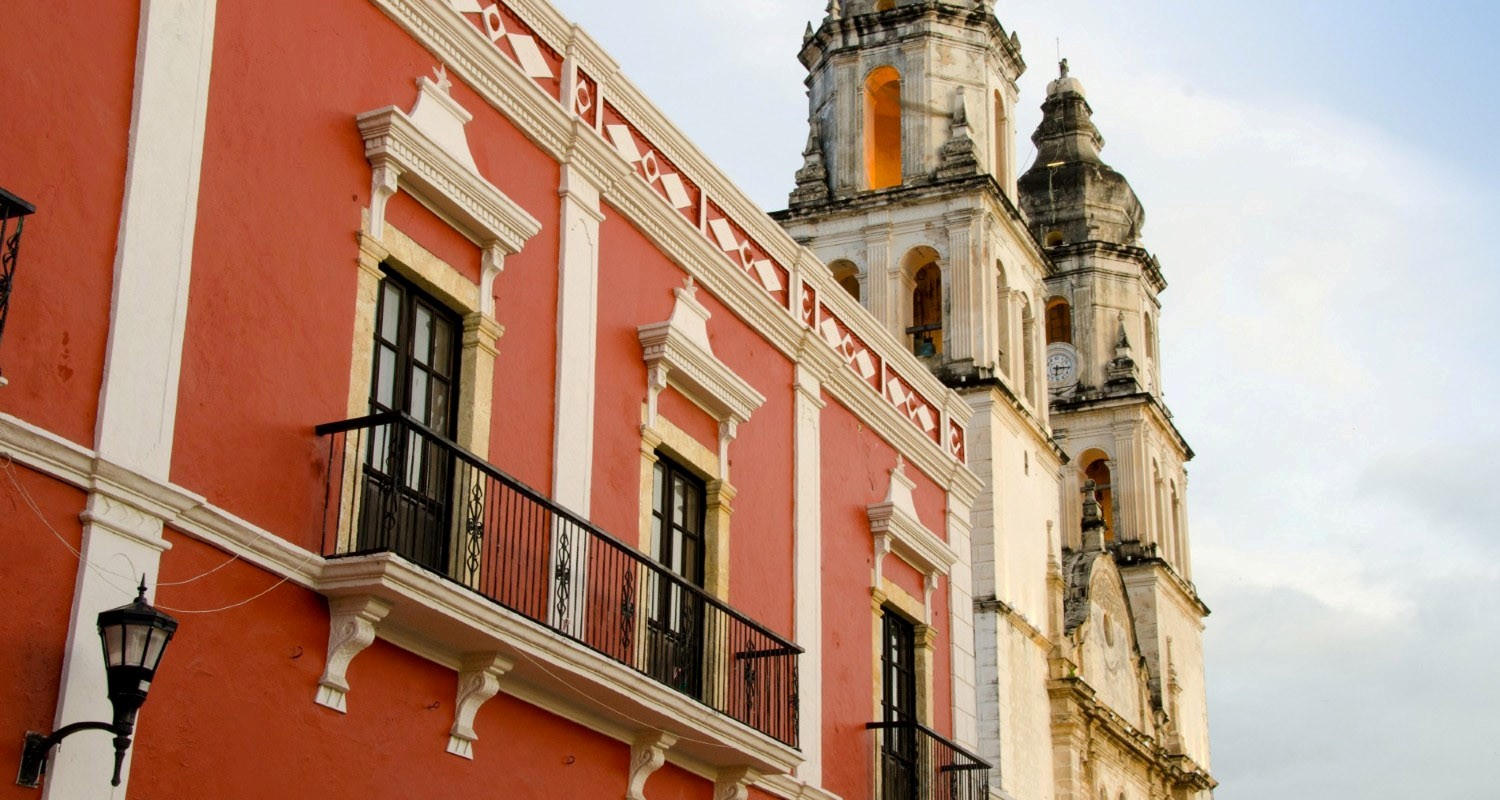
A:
[(1320, 183)]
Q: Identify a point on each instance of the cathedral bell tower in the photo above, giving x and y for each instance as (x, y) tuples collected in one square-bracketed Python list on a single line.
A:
[(1103, 376), (907, 188)]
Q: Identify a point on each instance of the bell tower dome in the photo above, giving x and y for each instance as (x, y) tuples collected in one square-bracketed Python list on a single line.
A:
[(1070, 194)]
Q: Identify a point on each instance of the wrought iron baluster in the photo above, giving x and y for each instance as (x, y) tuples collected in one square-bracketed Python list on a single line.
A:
[(474, 527), (564, 579), (627, 611)]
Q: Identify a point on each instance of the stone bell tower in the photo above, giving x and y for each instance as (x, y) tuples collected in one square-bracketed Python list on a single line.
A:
[(1103, 375), (908, 194), (907, 189)]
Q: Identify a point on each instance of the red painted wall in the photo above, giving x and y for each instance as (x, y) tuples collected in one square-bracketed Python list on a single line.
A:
[(63, 138), (231, 713), (268, 346), (38, 591), (637, 281), (856, 467)]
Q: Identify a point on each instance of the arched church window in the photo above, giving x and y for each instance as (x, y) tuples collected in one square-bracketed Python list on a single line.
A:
[(883, 128), (1059, 321), (927, 311), (1098, 472), (847, 276), (1150, 338)]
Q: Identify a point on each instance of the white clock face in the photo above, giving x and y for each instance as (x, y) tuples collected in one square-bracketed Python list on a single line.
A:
[(1061, 368)]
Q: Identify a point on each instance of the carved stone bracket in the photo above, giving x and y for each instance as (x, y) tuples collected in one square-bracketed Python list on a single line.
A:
[(647, 754), (478, 681), (734, 783), (351, 628)]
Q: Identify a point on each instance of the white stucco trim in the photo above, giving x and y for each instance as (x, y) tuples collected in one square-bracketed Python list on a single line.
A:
[(577, 340), (405, 157), (807, 527), (894, 524), (137, 413), (677, 353)]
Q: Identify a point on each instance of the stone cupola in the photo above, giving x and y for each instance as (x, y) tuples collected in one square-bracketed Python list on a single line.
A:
[(1070, 195)]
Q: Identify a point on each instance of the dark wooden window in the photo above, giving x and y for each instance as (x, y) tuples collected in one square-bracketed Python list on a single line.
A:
[(416, 357), (900, 776), (678, 504), (407, 501)]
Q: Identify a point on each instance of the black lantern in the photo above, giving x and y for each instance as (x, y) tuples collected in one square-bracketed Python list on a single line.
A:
[(134, 637), (11, 208)]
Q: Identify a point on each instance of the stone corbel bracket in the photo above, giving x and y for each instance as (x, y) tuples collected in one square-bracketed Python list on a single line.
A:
[(478, 680), (734, 783), (894, 524), (351, 628), (426, 154), (647, 753), (677, 353)]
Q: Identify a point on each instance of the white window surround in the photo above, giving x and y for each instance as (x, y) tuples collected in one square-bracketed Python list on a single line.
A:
[(894, 524), (427, 154), (678, 354)]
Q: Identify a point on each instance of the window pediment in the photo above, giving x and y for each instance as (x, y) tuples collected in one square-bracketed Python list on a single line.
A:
[(427, 154), (677, 353), (894, 524)]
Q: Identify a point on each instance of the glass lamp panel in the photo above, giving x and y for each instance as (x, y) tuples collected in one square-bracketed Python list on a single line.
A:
[(135, 643), (114, 647), (154, 648), (422, 332)]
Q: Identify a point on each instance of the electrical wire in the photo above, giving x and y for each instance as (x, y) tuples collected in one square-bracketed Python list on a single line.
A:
[(7, 465)]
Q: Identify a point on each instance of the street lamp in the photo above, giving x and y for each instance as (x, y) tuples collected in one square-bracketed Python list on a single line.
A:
[(11, 208), (134, 636)]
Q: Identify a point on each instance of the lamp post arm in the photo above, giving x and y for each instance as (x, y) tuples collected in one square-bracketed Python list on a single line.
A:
[(34, 754)]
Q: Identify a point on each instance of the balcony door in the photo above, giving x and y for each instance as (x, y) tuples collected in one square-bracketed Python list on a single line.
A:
[(408, 471), (899, 777), (675, 626)]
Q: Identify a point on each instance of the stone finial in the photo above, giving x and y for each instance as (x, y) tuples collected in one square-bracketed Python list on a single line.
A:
[(812, 178), (835, 9), (807, 35), (958, 156), (1062, 69)]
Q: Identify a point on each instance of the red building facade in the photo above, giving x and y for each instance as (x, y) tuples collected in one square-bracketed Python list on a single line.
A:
[(481, 434)]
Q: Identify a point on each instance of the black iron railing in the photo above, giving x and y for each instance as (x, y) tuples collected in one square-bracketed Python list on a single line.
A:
[(13, 213), (917, 763), (395, 486)]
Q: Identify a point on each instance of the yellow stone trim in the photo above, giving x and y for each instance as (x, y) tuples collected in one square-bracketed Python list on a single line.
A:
[(691, 453), (480, 337), (892, 596)]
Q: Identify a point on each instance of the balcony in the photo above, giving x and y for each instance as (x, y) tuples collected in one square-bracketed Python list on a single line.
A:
[(916, 763), (585, 615)]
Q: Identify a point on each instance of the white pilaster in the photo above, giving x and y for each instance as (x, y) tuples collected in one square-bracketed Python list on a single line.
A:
[(808, 533), (577, 321), (961, 622), (122, 543), (138, 402), (143, 360)]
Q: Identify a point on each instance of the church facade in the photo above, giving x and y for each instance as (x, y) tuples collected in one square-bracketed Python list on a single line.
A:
[(482, 436)]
